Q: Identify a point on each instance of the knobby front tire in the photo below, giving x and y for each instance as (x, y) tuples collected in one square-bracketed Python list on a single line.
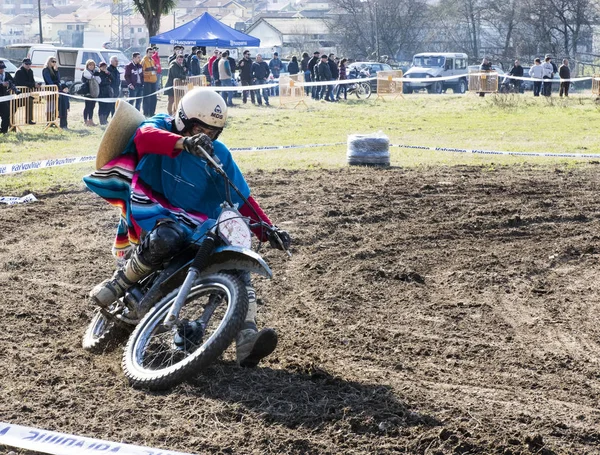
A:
[(152, 359)]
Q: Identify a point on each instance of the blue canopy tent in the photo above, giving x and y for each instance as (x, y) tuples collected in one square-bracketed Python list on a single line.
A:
[(206, 31)]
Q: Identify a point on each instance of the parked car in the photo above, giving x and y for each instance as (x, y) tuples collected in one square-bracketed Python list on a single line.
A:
[(372, 67), (432, 65)]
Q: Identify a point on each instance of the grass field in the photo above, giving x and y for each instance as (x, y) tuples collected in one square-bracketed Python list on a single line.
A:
[(503, 122)]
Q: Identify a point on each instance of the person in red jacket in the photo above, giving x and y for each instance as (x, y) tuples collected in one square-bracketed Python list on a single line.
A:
[(158, 67), (211, 61)]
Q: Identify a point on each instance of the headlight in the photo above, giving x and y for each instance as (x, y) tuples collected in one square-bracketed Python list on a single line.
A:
[(234, 229)]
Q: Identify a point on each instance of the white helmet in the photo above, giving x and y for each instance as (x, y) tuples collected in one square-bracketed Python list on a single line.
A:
[(201, 106)]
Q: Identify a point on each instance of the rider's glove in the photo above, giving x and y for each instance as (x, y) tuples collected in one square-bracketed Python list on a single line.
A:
[(191, 144), (280, 239)]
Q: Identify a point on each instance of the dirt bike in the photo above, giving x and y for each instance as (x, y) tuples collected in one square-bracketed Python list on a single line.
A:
[(193, 307), (362, 90)]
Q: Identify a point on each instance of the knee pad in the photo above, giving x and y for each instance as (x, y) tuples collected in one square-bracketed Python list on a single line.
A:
[(164, 241)]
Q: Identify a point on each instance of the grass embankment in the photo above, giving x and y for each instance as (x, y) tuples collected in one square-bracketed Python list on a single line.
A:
[(511, 123)]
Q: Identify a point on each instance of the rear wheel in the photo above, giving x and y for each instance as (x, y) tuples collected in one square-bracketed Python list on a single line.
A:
[(462, 86), (104, 332), (363, 90), (158, 358)]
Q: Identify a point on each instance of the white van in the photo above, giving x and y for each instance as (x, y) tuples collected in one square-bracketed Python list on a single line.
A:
[(71, 60), (432, 65)]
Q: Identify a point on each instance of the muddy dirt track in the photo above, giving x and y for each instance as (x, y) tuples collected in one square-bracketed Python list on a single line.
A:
[(425, 311)]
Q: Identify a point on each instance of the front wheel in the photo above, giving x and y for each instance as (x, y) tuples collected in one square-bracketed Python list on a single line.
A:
[(363, 91), (214, 311)]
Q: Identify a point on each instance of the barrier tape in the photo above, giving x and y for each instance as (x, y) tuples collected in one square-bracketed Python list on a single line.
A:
[(55, 443), (498, 152), (43, 164), (240, 88), (11, 200), (6, 169)]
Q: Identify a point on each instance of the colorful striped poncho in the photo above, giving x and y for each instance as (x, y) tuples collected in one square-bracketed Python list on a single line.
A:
[(151, 180)]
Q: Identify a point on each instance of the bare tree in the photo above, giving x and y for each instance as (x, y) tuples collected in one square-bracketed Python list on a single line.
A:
[(368, 29)]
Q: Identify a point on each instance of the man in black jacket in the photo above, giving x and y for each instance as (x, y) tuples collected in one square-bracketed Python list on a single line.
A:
[(311, 67), (565, 74), (245, 66), (325, 75), (260, 73), (24, 78), (517, 71), (6, 83), (115, 84)]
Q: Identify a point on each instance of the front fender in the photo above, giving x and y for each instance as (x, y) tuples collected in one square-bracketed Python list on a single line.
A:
[(237, 258)]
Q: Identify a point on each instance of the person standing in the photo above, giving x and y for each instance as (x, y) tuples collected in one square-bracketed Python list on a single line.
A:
[(115, 84), (51, 77), (134, 76), (105, 90), (314, 61), (195, 68), (149, 101), (215, 70), (176, 71), (157, 65), (335, 74), (91, 76), (24, 78), (276, 67), (325, 75), (304, 68), (225, 76), (517, 71), (6, 83), (548, 75), (537, 72), (565, 74), (64, 104), (260, 73), (342, 77), (211, 62), (245, 66), (293, 67)]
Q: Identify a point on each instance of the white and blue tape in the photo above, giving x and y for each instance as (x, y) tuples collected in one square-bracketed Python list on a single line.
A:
[(55, 443)]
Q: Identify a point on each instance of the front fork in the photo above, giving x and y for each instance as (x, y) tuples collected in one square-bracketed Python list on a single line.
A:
[(199, 263)]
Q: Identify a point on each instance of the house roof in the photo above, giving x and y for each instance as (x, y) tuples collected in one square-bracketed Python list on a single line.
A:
[(54, 11), (294, 26), (68, 18), (20, 19)]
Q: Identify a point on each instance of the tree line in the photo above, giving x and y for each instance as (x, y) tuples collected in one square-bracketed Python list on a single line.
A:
[(501, 30)]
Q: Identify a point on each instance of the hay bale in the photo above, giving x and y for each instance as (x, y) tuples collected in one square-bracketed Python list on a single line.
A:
[(368, 149)]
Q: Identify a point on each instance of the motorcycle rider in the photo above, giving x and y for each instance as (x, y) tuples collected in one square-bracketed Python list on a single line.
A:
[(172, 193)]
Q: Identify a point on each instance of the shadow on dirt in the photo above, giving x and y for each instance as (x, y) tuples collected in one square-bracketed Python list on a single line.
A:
[(308, 396)]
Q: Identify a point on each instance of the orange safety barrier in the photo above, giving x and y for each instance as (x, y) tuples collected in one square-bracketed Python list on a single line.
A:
[(291, 89), (181, 86), (483, 81), (34, 105), (386, 85)]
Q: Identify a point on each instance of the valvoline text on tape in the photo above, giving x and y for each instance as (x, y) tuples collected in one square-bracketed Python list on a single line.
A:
[(55, 443), (43, 164), (499, 152)]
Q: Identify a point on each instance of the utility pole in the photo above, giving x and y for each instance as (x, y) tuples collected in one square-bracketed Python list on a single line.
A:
[(40, 20)]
